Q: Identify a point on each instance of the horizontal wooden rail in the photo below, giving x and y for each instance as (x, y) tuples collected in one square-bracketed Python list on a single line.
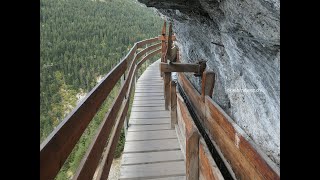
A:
[(150, 55), (141, 53), (58, 145), (141, 44), (244, 156), (56, 148)]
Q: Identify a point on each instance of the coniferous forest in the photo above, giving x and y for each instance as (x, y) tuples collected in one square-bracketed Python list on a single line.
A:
[(81, 41)]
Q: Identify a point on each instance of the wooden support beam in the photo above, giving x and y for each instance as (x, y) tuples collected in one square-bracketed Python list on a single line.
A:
[(192, 143), (167, 79), (179, 67), (173, 108), (207, 85)]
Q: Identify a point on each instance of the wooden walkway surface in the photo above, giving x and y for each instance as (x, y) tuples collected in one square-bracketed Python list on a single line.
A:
[(151, 150)]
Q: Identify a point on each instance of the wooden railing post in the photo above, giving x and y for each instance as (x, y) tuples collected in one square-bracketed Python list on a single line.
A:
[(163, 42), (207, 85), (167, 79), (173, 108), (125, 127), (169, 46), (192, 153)]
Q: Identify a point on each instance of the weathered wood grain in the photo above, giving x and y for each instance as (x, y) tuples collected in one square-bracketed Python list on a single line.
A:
[(151, 135), (149, 127), (151, 157), (192, 143), (151, 145), (56, 148), (207, 167), (179, 67), (156, 170)]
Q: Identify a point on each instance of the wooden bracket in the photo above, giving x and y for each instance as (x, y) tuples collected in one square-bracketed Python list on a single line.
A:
[(197, 68), (208, 80), (202, 66)]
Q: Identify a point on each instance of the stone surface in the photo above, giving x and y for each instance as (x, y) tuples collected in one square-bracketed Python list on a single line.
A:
[(240, 40)]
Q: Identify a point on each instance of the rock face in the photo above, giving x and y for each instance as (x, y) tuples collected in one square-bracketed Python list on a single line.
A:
[(240, 40)]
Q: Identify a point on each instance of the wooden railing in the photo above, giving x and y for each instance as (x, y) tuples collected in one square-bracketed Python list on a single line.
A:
[(241, 156), (59, 144)]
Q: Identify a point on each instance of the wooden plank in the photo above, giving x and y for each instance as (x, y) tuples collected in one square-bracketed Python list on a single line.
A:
[(149, 90), (151, 157), (58, 145), (170, 178), (192, 143), (148, 127), (147, 94), (151, 135), (207, 85), (149, 86), (149, 98), (179, 67), (138, 109), (173, 104), (208, 169), (156, 170), (217, 119), (148, 103), (148, 115), (151, 145), (148, 122), (149, 79)]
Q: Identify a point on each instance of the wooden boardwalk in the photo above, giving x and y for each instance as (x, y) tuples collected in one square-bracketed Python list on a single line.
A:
[(152, 150)]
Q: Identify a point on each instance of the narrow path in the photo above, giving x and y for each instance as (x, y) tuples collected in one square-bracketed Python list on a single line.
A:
[(152, 150)]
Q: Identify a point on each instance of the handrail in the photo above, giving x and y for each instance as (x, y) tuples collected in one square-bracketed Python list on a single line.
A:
[(235, 146), (59, 144)]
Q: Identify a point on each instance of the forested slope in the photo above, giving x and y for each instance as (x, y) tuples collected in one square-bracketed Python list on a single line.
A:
[(80, 41)]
